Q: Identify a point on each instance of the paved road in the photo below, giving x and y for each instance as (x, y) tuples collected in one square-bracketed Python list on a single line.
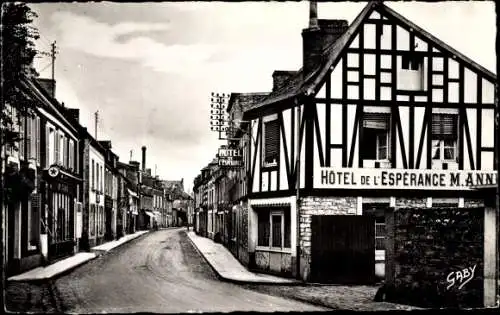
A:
[(160, 272)]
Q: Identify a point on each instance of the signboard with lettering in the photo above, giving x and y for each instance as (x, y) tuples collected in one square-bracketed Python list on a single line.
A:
[(230, 157), (380, 178)]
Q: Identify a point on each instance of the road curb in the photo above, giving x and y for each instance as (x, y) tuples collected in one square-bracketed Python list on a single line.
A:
[(236, 281), (97, 254)]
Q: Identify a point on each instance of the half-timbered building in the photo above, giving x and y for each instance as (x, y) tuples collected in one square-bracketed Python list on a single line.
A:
[(382, 115)]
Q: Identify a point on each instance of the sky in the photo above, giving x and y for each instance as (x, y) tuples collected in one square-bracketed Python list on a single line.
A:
[(149, 68)]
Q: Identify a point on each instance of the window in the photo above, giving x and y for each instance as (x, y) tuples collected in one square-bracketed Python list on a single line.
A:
[(22, 138), (37, 142), (380, 233), (444, 136), (375, 142), (92, 219), (92, 174), (56, 148), (50, 149), (274, 228), (34, 220), (271, 143), (71, 155), (411, 75), (97, 176)]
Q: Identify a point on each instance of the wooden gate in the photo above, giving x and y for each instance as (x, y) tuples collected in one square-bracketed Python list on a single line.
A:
[(343, 249)]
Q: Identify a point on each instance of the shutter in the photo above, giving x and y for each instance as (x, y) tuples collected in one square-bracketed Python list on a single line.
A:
[(65, 151), (444, 126), (376, 121), (37, 137), (29, 125), (22, 138), (271, 140), (47, 146), (71, 154), (56, 147), (33, 138)]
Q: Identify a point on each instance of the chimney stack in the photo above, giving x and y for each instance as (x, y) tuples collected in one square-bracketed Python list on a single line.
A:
[(48, 85), (143, 158), (318, 37), (280, 77), (313, 15), (74, 113)]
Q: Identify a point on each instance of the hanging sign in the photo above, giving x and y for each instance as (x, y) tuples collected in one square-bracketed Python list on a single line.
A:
[(379, 178)]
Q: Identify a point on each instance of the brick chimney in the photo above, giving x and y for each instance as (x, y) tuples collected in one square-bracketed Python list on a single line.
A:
[(280, 77), (143, 158), (106, 144), (318, 37), (134, 165), (74, 113), (48, 85)]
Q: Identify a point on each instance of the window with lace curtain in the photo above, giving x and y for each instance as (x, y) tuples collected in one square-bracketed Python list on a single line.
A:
[(444, 137)]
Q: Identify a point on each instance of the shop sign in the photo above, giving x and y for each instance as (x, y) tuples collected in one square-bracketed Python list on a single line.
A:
[(379, 178), (230, 157)]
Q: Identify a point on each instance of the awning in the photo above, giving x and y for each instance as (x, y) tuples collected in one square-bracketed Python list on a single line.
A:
[(133, 194), (149, 213)]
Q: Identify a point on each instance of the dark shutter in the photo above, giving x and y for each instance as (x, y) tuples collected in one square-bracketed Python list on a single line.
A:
[(272, 140), (444, 126), (376, 121)]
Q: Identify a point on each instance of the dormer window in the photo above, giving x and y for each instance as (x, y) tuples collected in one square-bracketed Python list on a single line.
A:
[(411, 72)]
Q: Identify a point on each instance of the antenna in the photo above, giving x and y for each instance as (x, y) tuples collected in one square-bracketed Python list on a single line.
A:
[(131, 155)]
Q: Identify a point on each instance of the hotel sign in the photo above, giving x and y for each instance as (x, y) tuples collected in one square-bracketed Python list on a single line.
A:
[(380, 178), (230, 157)]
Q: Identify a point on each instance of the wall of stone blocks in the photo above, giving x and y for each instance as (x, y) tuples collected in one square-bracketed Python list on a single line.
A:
[(431, 250), (310, 206)]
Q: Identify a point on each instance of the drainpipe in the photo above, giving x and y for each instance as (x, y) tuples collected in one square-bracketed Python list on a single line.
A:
[(297, 184)]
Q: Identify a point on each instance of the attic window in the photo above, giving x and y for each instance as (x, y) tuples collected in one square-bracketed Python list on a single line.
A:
[(411, 73), (412, 62)]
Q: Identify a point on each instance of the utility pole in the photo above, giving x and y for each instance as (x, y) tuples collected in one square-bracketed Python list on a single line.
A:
[(96, 120), (53, 53)]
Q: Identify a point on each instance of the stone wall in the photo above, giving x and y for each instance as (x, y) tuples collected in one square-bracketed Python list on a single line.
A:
[(310, 206), (274, 262), (243, 235), (437, 256), (411, 202)]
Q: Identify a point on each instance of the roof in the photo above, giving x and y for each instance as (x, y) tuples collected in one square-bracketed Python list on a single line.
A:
[(244, 101), (310, 85)]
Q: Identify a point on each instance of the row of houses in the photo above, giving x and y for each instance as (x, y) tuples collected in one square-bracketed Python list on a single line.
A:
[(68, 191), (383, 122)]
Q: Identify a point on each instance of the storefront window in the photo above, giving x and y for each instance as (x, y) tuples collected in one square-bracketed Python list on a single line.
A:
[(274, 228)]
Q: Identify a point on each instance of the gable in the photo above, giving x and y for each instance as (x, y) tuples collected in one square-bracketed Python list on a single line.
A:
[(372, 33)]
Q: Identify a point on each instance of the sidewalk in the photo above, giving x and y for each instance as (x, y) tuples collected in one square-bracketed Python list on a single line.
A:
[(110, 245), (50, 271), (229, 268)]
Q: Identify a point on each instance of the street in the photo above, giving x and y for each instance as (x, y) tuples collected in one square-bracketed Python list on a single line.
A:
[(159, 272)]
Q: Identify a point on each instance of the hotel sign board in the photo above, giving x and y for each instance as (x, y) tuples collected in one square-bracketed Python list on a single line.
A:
[(230, 157), (411, 179)]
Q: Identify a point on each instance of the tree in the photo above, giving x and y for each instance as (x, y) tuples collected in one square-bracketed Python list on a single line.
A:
[(17, 46), (18, 37)]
